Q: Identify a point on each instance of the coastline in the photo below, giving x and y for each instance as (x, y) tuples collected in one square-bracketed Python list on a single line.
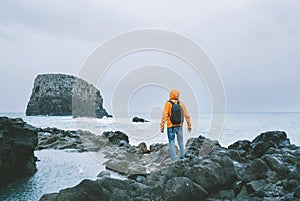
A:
[(237, 125), (271, 151)]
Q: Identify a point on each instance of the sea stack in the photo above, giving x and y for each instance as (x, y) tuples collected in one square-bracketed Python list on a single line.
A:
[(65, 95)]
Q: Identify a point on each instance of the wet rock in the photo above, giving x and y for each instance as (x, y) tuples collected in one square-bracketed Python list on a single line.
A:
[(291, 185), (200, 147), (103, 174), (157, 146), (243, 193), (224, 195), (297, 193), (262, 143), (49, 197), (17, 142), (227, 168), (118, 138), (125, 167), (239, 150), (89, 190), (257, 169), (235, 155), (255, 186), (207, 174), (240, 144), (143, 148), (276, 165), (237, 186), (182, 188)]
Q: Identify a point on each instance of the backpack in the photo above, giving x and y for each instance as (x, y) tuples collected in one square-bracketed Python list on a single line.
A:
[(177, 113)]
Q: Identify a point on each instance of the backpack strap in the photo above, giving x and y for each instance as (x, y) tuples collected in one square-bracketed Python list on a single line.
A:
[(173, 102)]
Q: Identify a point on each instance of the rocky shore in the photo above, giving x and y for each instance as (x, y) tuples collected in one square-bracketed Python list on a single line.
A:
[(268, 168), (17, 142), (65, 95)]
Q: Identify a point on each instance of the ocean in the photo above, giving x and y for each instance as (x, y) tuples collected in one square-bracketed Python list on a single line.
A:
[(62, 169)]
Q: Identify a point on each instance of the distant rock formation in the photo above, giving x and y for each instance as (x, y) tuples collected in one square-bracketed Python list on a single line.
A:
[(65, 95), (138, 119), (17, 142)]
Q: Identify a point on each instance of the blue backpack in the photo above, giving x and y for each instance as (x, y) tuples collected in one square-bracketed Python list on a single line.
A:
[(177, 113)]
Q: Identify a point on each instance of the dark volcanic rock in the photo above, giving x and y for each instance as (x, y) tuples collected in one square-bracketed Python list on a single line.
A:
[(53, 138), (62, 95), (118, 138), (257, 169), (143, 148), (200, 147), (179, 188), (157, 146), (138, 119), (182, 188), (17, 142), (211, 172), (88, 190), (262, 143)]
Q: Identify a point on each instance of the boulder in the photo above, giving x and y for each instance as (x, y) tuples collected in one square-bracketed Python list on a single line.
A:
[(118, 138), (207, 174), (182, 188), (103, 174), (255, 186), (291, 185), (125, 167), (17, 142), (257, 169), (276, 165), (262, 143), (200, 147), (64, 95), (143, 148), (240, 149), (138, 119)]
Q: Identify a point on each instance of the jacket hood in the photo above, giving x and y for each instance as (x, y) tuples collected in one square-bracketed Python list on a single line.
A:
[(174, 94)]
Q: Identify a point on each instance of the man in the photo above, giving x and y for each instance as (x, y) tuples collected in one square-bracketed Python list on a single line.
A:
[(175, 128)]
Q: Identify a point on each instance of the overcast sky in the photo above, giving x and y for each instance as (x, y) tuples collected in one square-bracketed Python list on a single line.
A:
[(255, 44)]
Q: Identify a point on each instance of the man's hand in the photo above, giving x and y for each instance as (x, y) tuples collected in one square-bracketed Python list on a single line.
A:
[(162, 130), (189, 130)]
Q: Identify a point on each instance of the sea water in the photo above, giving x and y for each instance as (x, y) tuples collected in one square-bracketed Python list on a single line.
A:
[(62, 169)]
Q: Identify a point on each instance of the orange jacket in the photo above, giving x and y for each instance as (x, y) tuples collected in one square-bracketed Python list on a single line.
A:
[(174, 96)]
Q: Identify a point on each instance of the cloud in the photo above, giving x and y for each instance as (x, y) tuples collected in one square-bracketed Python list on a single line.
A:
[(255, 44)]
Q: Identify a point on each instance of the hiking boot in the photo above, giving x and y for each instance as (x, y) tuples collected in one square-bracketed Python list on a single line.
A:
[(182, 162)]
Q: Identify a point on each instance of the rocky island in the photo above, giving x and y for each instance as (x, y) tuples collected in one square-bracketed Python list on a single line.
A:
[(65, 95)]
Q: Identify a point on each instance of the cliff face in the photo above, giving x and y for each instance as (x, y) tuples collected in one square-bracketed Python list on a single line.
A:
[(63, 95), (17, 142)]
